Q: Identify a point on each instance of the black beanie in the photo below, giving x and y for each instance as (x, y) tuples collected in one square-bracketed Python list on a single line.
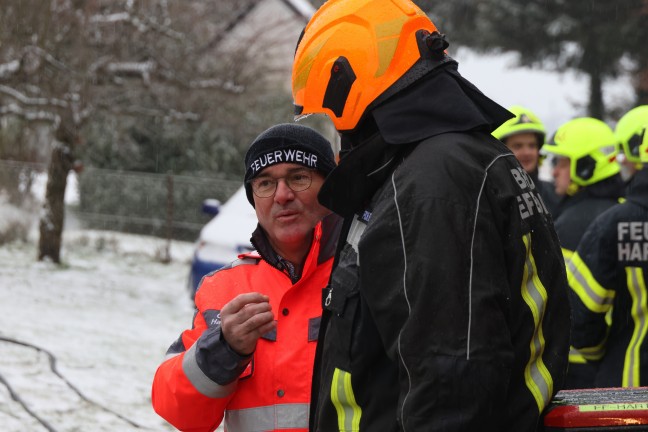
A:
[(287, 143)]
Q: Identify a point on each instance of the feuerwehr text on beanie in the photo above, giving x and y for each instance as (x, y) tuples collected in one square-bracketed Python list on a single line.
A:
[(287, 143)]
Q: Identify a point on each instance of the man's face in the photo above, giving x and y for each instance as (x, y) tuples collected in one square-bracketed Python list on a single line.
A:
[(288, 217), (562, 175), (525, 148), (628, 167)]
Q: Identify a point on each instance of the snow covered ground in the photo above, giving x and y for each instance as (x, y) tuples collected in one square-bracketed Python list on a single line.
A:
[(106, 316)]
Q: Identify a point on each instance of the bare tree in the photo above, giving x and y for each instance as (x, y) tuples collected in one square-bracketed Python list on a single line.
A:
[(64, 62)]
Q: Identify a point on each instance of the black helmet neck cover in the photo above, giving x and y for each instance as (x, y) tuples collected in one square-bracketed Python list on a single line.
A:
[(440, 102)]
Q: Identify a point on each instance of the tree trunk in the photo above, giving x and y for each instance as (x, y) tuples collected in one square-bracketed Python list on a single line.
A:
[(596, 106), (52, 217)]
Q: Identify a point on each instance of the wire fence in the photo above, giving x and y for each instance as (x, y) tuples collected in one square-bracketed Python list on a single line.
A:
[(18, 181), (163, 205)]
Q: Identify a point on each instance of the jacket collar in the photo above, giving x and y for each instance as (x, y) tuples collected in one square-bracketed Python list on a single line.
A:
[(441, 102), (324, 242), (610, 188), (444, 101), (638, 187)]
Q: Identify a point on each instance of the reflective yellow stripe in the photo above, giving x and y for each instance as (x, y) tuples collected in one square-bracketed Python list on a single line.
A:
[(637, 288), (567, 254), (594, 353), (348, 411), (537, 376), (608, 316), (582, 282), (575, 356), (583, 355)]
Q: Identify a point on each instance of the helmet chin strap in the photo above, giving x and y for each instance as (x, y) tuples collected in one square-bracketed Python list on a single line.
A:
[(572, 189)]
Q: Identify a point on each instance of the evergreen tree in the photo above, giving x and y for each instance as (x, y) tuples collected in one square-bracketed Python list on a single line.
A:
[(589, 36)]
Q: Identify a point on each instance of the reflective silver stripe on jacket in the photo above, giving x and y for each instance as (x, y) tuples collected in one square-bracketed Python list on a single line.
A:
[(537, 377), (472, 249), (348, 411), (595, 297), (637, 288), (200, 381), (405, 294), (267, 418)]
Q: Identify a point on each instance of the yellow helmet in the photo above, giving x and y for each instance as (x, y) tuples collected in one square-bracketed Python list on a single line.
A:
[(643, 148), (524, 121), (591, 146), (352, 51), (629, 130)]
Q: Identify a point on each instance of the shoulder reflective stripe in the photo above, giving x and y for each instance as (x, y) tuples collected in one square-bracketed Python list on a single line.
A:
[(537, 376), (592, 294), (348, 411), (267, 418), (637, 288), (200, 381)]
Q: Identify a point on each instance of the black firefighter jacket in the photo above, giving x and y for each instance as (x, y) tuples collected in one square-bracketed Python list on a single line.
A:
[(575, 214), (547, 192), (608, 272), (578, 211), (447, 310)]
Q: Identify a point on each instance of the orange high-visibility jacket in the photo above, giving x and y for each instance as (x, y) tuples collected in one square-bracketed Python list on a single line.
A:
[(203, 380)]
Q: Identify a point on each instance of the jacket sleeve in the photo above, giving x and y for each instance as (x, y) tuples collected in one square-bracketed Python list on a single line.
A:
[(589, 272), (414, 257), (192, 387)]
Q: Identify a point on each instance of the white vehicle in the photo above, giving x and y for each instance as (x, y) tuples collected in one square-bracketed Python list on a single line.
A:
[(223, 238)]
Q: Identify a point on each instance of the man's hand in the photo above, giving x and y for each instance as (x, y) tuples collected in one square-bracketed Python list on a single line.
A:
[(245, 319)]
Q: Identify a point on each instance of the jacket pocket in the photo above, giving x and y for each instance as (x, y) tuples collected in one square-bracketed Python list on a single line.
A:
[(344, 296)]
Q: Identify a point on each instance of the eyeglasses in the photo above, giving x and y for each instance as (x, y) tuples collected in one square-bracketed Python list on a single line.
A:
[(297, 181)]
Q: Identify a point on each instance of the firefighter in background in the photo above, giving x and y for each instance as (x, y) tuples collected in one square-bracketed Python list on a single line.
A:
[(248, 357), (447, 309), (524, 135), (628, 130), (586, 175), (608, 273)]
